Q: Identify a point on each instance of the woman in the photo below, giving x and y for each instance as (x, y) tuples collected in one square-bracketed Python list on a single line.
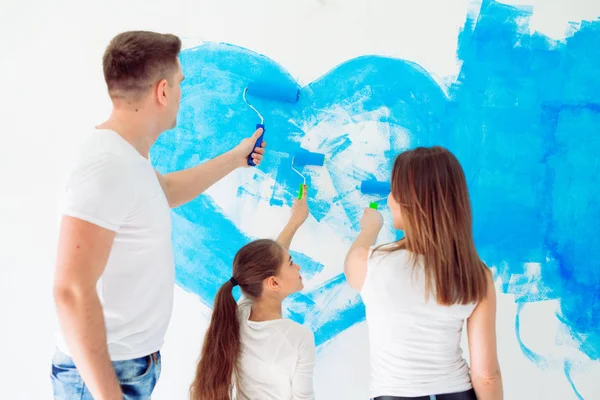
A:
[(249, 349), (419, 290)]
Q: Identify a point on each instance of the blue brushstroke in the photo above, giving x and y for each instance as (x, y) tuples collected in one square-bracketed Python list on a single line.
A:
[(193, 241), (567, 369), (523, 117), (329, 309), (540, 361)]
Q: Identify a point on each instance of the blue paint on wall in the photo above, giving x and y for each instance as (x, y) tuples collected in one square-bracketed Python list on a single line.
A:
[(531, 355), (204, 255), (567, 368), (526, 110), (523, 117)]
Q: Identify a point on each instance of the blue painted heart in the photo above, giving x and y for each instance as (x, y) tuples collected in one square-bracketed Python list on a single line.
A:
[(522, 117)]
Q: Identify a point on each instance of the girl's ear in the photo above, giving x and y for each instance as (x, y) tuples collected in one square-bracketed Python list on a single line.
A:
[(273, 284)]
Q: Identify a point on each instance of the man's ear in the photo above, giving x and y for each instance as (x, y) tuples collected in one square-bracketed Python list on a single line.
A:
[(161, 92)]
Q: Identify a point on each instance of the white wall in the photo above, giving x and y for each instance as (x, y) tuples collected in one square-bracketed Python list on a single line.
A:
[(52, 90)]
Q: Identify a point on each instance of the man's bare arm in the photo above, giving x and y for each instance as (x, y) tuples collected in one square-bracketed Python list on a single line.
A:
[(83, 252)]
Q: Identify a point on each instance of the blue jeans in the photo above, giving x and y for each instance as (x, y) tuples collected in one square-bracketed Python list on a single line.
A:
[(137, 377)]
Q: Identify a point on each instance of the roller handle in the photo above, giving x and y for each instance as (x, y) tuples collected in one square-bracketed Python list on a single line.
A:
[(257, 144), (373, 205)]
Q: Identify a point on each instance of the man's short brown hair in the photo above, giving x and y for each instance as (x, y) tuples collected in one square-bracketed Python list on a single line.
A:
[(135, 60)]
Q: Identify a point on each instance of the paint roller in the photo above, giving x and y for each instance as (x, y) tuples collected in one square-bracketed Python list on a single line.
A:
[(288, 92), (306, 158), (374, 187)]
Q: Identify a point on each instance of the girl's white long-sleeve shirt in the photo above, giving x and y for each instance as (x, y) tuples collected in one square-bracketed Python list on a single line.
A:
[(277, 358)]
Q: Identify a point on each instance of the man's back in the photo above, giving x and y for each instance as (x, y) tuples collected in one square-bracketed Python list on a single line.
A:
[(113, 186)]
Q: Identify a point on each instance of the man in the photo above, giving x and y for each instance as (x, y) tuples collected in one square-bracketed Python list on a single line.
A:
[(115, 270)]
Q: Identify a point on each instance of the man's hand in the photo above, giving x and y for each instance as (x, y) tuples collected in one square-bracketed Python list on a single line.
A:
[(246, 146)]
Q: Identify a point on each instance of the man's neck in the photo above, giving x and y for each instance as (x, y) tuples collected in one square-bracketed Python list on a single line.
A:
[(135, 127)]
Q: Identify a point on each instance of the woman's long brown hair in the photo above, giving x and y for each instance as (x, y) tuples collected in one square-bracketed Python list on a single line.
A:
[(217, 366), (430, 186)]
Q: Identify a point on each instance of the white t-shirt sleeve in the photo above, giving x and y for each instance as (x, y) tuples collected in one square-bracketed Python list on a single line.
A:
[(302, 382), (101, 191)]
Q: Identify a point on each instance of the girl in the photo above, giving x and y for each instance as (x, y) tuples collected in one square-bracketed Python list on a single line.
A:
[(249, 348), (419, 290)]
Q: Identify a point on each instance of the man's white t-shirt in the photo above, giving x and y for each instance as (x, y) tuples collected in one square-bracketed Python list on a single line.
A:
[(277, 358), (113, 186)]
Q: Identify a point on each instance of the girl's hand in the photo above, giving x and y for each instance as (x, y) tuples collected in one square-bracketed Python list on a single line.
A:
[(300, 209), (372, 220)]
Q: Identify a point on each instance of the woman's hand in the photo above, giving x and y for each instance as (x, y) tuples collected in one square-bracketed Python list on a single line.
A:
[(371, 220)]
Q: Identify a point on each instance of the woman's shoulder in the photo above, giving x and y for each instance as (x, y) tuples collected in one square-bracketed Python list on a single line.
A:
[(388, 253)]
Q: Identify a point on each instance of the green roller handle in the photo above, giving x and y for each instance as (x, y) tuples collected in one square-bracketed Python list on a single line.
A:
[(301, 191)]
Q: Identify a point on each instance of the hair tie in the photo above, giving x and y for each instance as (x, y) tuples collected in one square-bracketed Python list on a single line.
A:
[(233, 281)]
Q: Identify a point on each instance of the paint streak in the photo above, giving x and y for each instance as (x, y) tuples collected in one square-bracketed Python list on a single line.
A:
[(328, 310), (523, 117), (568, 368), (531, 355)]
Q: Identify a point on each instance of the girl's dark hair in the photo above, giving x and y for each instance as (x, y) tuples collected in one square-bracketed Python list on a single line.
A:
[(217, 366)]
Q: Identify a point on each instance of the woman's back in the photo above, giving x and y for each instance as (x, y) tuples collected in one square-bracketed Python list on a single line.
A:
[(416, 306), (414, 341)]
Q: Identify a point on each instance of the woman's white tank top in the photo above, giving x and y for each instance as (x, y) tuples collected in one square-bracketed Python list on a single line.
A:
[(414, 344)]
